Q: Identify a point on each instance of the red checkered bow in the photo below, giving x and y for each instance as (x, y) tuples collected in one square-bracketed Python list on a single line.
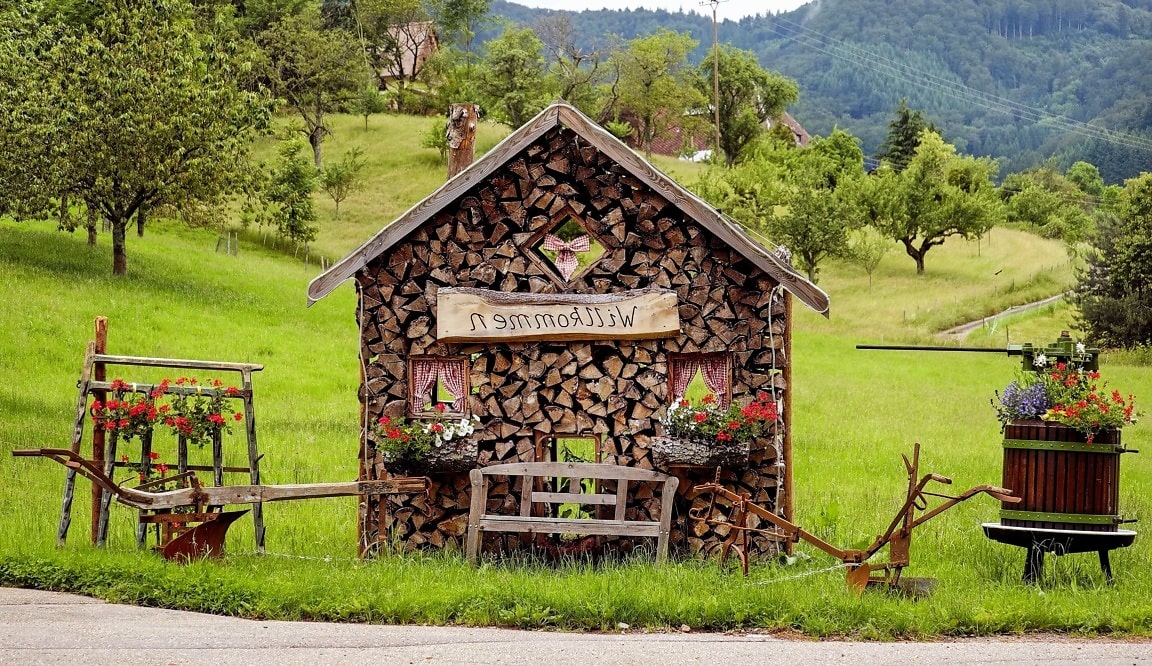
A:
[(566, 252)]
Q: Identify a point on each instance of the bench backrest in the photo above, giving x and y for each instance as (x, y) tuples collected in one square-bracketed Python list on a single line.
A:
[(575, 472)]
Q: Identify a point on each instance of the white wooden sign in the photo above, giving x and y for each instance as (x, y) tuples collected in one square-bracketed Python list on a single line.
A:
[(465, 314)]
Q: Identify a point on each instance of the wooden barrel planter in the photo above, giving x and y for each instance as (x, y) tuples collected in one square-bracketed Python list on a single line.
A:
[(1064, 482)]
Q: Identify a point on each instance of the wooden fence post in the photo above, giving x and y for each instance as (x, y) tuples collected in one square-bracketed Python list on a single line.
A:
[(461, 137), (99, 374)]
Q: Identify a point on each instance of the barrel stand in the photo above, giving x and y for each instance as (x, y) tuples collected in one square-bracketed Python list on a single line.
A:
[(1039, 541)]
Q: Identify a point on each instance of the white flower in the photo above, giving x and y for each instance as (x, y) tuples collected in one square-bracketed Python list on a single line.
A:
[(1080, 348), (1040, 361)]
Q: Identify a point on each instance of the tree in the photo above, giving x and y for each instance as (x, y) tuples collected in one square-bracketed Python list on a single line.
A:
[(459, 20), (314, 69), (139, 109), (1114, 294), (451, 79), (370, 101), (290, 191), (436, 137), (393, 32), (904, 133), (814, 220), (652, 87), (511, 82), (574, 70), (939, 195), (804, 199), (342, 179), (1087, 178), (1050, 203), (749, 95), (866, 248)]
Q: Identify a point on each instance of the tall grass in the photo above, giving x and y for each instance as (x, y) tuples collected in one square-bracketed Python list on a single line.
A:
[(855, 413)]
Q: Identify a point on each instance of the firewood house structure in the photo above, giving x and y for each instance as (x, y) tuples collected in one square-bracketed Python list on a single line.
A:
[(561, 290)]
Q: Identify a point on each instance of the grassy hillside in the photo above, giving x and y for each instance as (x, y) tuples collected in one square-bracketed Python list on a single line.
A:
[(855, 413)]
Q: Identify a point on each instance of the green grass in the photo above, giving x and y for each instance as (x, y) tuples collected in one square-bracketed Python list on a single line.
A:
[(855, 413)]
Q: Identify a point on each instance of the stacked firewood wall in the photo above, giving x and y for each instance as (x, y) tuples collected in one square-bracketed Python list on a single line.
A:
[(615, 389)]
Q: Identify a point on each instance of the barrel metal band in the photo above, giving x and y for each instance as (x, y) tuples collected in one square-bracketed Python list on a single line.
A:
[(1042, 517), (1079, 447)]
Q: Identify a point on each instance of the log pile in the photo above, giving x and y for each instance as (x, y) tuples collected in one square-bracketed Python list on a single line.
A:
[(615, 389)]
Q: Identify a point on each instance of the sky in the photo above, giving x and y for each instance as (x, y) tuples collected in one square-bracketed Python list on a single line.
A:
[(726, 9)]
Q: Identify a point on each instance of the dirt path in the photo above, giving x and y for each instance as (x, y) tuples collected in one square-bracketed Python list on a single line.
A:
[(961, 331)]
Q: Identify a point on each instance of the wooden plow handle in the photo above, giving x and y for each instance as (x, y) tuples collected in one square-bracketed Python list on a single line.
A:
[(199, 495)]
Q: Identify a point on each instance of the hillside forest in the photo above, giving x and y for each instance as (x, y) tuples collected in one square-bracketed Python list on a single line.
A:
[(1020, 81)]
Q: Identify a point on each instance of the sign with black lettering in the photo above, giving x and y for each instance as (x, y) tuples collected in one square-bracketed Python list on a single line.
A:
[(466, 314)]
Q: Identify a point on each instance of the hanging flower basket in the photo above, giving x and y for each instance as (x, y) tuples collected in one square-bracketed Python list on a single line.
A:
[(458, 455), (699, 452), (707, 434), (427, 446)]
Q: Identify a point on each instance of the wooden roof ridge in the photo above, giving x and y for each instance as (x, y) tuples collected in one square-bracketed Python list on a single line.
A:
[(561, 113)]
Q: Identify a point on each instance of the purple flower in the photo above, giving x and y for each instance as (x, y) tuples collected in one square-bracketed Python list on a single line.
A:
[(1023, 402)]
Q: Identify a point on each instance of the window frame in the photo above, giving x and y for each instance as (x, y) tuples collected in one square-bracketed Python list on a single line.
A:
[(724, 400), (418, 412)]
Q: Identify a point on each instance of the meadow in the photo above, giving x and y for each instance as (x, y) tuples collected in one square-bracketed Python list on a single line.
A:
[(855, 413)]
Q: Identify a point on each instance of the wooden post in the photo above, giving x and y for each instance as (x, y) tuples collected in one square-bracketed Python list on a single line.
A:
[(102, 508), (365, 468), (99, 374), (253, 456), (786, 508), (461, 137), (146, 467), (77, 438)]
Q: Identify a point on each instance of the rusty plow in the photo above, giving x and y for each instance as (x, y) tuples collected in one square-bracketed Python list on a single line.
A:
[(862, 573)]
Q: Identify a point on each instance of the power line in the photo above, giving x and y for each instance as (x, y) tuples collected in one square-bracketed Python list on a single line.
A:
[(836, 48)]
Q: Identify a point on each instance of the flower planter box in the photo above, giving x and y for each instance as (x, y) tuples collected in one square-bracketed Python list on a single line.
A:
[(1063, 482), (672, 451), (454, 457)]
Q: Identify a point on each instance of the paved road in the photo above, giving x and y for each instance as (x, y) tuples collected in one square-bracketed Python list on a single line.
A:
[(962, 331), (55, 628)]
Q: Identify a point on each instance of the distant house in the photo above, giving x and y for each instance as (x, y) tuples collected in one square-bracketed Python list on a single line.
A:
[(801, 135), (682, 141), (411, 44)]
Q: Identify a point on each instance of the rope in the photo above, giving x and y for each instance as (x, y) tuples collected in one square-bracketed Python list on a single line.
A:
[(326, 558), (799, 576)]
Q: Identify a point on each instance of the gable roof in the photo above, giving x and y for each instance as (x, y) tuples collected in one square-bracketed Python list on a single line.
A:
[(562, 114), (801, 135)]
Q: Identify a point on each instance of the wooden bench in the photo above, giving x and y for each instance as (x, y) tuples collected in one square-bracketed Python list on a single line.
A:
[(480, 521)]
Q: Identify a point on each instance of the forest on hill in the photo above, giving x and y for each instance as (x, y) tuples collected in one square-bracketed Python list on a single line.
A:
[(1017, 80)]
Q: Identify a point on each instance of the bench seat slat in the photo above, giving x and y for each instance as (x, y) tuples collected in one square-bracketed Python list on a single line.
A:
[(570, 525)]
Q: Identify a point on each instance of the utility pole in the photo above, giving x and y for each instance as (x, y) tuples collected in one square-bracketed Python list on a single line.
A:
[(715, 76)]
